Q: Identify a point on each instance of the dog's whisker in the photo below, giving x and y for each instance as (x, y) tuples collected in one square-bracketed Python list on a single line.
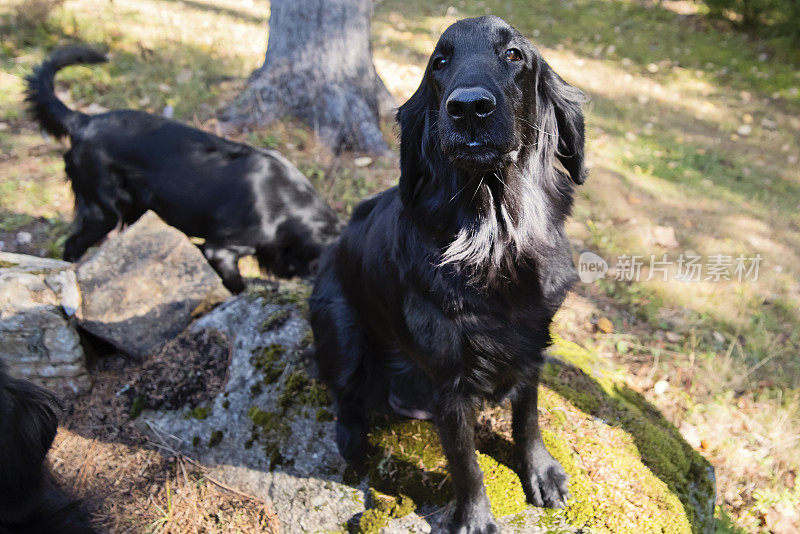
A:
[(462, 189), (476, 190)]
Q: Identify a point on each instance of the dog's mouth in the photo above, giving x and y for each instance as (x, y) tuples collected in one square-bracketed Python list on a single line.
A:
[(478, 156)]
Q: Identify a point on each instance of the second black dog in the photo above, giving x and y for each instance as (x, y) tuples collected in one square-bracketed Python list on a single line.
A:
[(240, 199)]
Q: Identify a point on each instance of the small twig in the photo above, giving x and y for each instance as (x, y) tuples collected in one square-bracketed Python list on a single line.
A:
[(216, 482), (182, 457)]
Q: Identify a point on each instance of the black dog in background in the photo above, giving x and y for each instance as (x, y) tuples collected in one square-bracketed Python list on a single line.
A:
[(30, 501), (440, 292), (241, 200)]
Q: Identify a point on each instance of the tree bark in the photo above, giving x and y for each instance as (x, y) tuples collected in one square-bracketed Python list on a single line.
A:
[(318, 68)]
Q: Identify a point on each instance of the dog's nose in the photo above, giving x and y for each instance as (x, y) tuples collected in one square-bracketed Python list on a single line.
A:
[(470, 103)]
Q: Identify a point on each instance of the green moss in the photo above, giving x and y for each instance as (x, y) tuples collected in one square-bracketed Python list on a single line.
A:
[(198, 412), (273, 374), (638, 445), (300, 389), (268, 361), (268, 356), (307, 340), (294, 292), (275, 320), (274, 430), (382, 509), (226, 404), (502, 486), (215, 438), (136, 407), (265, 420), (372, 521), (407, 459), (6, 264), (324, 415)]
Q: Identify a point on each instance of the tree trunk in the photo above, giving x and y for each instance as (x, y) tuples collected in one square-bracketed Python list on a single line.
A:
[(318, 67)]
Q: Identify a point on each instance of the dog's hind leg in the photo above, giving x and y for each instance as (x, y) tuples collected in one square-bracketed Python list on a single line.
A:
[(93, 224), (225, 260), (543, 478), (340, 352), (95, 212)]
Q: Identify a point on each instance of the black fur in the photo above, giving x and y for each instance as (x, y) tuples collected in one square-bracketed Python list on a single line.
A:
[(240, 199), (440, 292), (30, 501)]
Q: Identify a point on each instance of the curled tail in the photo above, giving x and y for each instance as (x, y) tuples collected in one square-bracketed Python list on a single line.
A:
[(53, 116)]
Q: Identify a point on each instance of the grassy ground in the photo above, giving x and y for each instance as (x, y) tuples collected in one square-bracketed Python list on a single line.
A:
[(691, 127)]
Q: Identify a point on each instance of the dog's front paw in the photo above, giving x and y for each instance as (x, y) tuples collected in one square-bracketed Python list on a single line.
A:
[(475, 518), (545, 482)]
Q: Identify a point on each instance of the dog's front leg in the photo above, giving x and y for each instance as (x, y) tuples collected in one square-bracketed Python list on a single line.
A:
[(543, 478), (455, 419)]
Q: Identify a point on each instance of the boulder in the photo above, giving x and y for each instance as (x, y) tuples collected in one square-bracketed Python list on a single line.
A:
[(140, 288), (37, 339), (270, 433)]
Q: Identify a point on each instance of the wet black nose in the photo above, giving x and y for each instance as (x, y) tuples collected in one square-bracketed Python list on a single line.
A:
[(470, 103)]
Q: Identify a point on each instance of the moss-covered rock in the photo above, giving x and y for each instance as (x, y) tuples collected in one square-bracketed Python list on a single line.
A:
[(383, 508), (198, 412), (626, 460), (300, 389), (502, 486), (276, 320), (630, 470)]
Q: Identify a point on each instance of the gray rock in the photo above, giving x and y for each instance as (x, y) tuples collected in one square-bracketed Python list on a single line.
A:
[(289, 458), (141, 287), (308, 496), (306, 489), (36, 338)]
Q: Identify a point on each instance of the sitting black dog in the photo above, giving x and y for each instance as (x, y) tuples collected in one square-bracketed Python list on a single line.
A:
[(440, 292), (241, 200), (30, 501)]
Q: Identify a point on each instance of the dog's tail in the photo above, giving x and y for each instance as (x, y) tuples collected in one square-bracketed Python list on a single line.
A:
[(53, 116)]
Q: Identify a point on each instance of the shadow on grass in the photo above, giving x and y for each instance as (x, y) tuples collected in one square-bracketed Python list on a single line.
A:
[(220, 10)]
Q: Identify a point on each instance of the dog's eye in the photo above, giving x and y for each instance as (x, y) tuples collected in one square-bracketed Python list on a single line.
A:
[(439, 63), (512, 54)]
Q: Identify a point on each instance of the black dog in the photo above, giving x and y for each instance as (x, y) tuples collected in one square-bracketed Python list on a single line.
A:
[(440, 292), (30, 502), (240, 199)]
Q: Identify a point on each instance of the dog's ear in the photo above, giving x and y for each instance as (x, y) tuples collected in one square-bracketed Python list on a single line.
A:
[(412, 118), (559, 116)]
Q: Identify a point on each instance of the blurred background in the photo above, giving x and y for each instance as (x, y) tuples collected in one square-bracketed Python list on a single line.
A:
[(693, 141)]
